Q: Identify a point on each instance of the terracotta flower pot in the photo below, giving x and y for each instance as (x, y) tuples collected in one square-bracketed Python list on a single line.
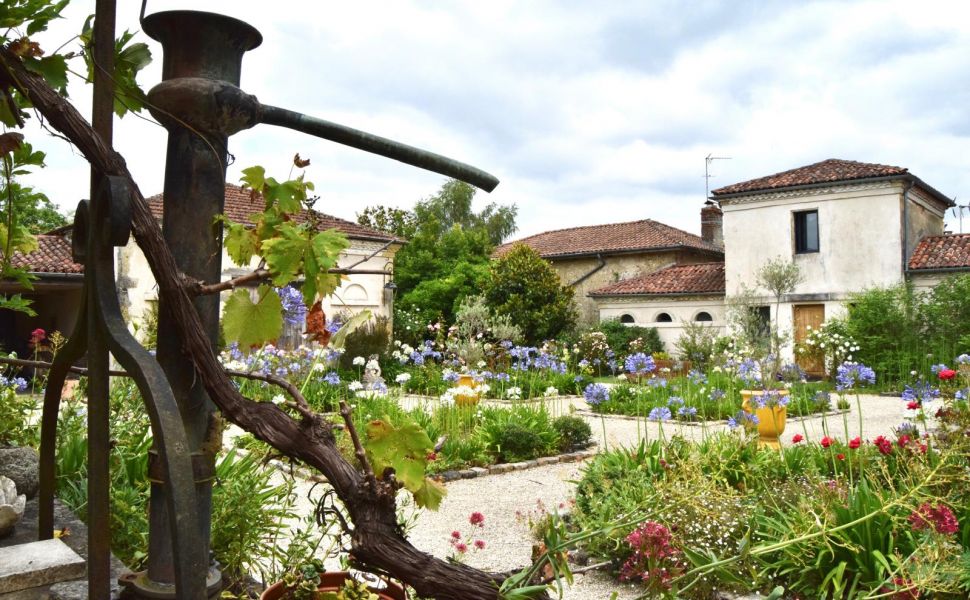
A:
[(771, 419), (332, 582)]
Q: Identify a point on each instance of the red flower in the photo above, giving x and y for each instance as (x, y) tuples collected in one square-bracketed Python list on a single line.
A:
[(455, 535), (36, 337), (903, 589), (796, 438), (840, 456), (855, 443), (477, 518), (914, 405), (432, 456), (940, 517), (947, 374), (461, 547), (827, 441), (480, 544), (883, 444), (903, 441)]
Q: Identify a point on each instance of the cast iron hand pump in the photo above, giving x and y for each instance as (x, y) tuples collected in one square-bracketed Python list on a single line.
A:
[(201, 105)]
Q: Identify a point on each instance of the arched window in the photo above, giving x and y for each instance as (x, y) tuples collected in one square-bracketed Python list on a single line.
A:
[(664, 318), (703, 316), (627, 318)]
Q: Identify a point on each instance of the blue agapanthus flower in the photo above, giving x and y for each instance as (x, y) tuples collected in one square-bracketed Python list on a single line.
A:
[(332, 378), (596, 394), (851, 375), (294, 310), (716, 395), (697, 377), (769, 399), (938, 368), (963, 359), (749, 373), (675, 401), (659, 413), (907, 428), (741, 419), (639, 364), (921, 391), (687, 412), (657, 382)]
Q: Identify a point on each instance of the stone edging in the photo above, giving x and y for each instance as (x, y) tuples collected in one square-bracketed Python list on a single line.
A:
[(500, 468), (596, 415)]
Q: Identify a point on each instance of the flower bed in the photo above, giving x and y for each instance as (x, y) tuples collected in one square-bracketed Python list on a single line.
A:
[(868, 516)]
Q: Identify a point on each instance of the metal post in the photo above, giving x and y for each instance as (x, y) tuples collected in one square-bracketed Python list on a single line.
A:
[(210, 47)]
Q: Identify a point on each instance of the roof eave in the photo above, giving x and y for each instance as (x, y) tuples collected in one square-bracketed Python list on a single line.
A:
[(809, 186), (632, 251), (654, 294)]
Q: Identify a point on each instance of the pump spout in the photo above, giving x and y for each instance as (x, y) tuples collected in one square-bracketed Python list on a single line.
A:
[(348, 136)]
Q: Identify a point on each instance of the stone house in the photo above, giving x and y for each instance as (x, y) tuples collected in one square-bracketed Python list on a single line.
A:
[(848, 225), (57, 291), (590, 257)]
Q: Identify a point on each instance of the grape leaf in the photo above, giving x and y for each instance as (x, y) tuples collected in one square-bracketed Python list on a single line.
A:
[(298, 250), (52, 68), (430, 494), (17, 303), (240, 241), (254, 178), (252, 324), (404, 449), (284, 254)]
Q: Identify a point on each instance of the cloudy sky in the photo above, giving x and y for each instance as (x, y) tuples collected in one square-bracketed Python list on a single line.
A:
[(588, 112)]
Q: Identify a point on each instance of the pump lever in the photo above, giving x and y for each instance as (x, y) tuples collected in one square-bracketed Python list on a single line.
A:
[(348, 136)]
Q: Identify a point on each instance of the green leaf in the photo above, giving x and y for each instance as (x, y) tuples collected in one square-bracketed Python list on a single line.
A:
[(289, 195), (254, 178), (252, 324), (430, 494), (298, 250), (240, 241), (404, 449), (340, 338), (52, 68), (284, 254), (17, 303)]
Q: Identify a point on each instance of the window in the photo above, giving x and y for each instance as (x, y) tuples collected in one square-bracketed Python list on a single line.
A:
[(704, 317), (664, 318), (626, 318), (806, 231)]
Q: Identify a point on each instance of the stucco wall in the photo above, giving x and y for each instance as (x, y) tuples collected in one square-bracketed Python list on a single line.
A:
[(925, 218), (644, 310), (859, 237), (622, 266), (356, 292)]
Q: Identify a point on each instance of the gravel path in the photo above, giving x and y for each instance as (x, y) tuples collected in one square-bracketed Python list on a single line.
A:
[(505, 498)]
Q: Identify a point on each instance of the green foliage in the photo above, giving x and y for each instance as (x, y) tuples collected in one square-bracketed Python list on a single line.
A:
[(15, 417), (130, 58), (525, 287), (404, 449), (373, 337), (697, 344), (574, 432), (447, 255), (252, 323), (522, 433), (620, 337), (18, 211)]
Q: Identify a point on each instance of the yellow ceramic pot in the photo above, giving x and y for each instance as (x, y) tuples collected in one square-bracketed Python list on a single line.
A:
[(771, 419), (467, 399)]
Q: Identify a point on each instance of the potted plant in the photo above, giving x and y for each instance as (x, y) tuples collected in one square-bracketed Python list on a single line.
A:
[(311, 581)]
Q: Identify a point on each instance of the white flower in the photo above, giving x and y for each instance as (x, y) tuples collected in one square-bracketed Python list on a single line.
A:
[(359, 361), (372, 365), (278, 399), (550, 392), (481, 364), (514, 393), (355, 386), (403, 378), (912, 373), (319, 366), (483, 388)]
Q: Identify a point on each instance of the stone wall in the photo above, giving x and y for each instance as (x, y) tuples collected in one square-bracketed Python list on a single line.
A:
[(618, 266)]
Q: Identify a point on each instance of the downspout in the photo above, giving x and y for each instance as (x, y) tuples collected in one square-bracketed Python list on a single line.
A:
[(905, 252), (602, 263)]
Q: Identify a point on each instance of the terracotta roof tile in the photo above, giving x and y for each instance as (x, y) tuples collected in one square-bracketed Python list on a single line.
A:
[(240, 205), (703, 278), (53, 255), (827, 171), (645, 235), (942, 252)]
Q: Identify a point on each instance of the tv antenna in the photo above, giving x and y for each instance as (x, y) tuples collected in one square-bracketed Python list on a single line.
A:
[(707, 171), (958, 211)]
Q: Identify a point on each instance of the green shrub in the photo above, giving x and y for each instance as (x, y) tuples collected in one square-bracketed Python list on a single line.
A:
[(620, 336), (574, 432), (373, 337), (697, 344), (517, 434)]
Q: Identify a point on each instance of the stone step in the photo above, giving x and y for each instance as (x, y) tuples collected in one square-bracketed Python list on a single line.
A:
[(38, 563)]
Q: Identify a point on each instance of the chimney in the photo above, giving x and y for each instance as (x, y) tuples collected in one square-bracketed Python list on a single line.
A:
[(711, 224)]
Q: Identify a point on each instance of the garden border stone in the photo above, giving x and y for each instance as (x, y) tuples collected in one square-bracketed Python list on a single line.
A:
[(596, 415)]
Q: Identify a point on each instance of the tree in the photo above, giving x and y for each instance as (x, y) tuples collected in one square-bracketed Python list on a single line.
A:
[(367, 490), (779, 277), (448, 250), (525, 287)]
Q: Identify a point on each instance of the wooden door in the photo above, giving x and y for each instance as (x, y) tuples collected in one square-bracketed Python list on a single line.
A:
[(805, 316)]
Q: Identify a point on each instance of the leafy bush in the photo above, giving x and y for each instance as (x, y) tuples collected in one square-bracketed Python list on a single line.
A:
[(525, 287), (697, 343), (620, 336), (574, 432), (373, 337), (522, 433)]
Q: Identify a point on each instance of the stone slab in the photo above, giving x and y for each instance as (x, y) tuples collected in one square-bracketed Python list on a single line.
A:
[(38, 563)]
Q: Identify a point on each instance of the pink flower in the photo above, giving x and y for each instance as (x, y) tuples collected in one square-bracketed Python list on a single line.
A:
[(461, 547), (797, 438), (455, 535), (480, 544), (903, 441), (855, 443), (939, 517), (477, 518), (883, 444), (827, 441)]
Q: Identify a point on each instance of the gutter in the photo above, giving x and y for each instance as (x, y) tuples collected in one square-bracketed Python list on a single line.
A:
[(905, 258), (602, 263), (937, 270), (671, 295), (648, 250), (810, 186)]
